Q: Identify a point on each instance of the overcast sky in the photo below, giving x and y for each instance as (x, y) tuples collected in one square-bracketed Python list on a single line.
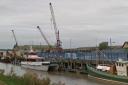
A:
[(81, 22)]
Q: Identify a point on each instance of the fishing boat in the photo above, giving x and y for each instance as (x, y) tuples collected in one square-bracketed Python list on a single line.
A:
[(42, 66), (33, 61), (107, 73)]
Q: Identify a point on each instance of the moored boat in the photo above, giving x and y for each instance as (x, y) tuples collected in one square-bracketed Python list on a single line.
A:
[(33, 61), (119, 76), (43, 66)]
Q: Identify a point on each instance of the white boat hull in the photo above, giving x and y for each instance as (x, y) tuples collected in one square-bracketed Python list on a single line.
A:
[(35, 66)]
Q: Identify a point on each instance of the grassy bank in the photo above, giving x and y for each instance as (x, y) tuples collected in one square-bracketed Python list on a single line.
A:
[(27, 79)]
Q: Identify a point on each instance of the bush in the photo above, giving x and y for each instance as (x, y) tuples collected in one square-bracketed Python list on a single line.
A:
[(32, 79), (28, 78)]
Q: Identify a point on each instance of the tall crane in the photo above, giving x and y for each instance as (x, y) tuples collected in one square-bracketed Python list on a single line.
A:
[(58, 42), (44, 37), (16, 45)]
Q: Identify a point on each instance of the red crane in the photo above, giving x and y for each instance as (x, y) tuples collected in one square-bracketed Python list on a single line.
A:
[(58, 42)]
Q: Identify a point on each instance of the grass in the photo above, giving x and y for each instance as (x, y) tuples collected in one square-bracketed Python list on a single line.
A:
[(27, 79)]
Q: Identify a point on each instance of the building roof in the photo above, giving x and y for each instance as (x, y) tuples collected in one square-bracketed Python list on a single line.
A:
[(125, 45)]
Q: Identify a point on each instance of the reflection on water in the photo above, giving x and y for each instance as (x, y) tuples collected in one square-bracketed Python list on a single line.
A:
[(68, 79)]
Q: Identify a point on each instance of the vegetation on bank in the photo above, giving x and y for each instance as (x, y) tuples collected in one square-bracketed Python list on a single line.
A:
[(27, 79)]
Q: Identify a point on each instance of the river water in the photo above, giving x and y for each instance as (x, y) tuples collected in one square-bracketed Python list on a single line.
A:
[(67, 78)]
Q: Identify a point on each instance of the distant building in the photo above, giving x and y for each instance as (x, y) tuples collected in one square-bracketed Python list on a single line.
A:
[(125, 45), (90, 49), (70, 50), (35, 47), (81, 49), (87, 48), (5, 52)]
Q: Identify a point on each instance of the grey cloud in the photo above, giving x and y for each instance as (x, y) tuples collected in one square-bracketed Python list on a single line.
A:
[(83, 21)]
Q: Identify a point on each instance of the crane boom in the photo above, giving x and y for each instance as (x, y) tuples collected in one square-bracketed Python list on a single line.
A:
[(58, 42), (14, 37), (43, 36)]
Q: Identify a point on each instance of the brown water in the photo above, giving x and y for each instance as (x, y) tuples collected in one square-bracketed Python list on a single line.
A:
[(67, 78)]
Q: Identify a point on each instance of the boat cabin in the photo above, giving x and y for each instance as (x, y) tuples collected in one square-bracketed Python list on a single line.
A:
[(122, 67), (103, 67)]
